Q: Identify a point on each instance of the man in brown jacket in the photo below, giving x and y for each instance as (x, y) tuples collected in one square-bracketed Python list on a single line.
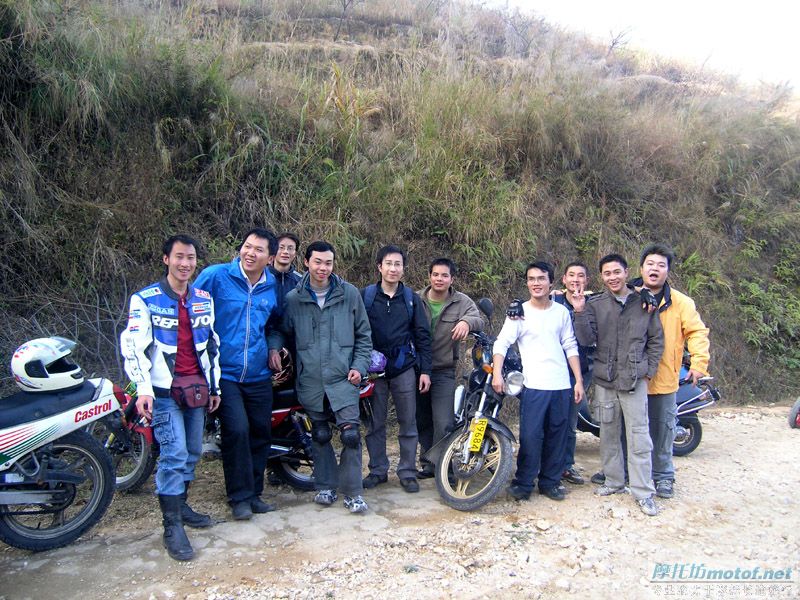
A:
[(629, 342), (452, 316)]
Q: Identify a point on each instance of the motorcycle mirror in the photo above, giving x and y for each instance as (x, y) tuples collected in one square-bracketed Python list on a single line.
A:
[(486, 307)]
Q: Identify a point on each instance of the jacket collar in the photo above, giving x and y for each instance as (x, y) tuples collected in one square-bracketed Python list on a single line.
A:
[(235, 271), (450, 294), (167, 289), (305, 283)]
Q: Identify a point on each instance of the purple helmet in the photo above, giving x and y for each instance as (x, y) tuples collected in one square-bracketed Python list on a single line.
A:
[(377, 362)]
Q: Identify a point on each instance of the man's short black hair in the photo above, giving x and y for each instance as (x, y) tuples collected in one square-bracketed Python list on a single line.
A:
[(542, 266), (390, 249), (291, 236), (613, 257), (661, 250), (577, 263), (443, 262), (264, 234), (183, 239), (319, 246)]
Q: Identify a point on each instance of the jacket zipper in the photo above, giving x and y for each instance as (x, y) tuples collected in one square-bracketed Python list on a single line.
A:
[(247, 335)]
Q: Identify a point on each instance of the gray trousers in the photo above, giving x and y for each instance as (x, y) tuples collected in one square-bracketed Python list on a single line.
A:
[(435, 411), (612, 405), (328, 475), (403, 389), (661, 410)]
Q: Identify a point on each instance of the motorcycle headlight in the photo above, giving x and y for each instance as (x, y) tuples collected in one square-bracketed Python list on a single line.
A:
[(513, 383)]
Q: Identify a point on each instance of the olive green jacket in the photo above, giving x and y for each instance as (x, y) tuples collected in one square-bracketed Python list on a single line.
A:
[(330, 341)]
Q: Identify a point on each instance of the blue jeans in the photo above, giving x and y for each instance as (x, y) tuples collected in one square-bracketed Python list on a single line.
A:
[(179, 432), (572, 433), (542, 437)]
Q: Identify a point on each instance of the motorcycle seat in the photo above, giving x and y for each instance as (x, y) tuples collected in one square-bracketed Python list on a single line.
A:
[(23, 407)]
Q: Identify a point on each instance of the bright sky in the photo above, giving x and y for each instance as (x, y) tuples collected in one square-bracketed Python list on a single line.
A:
[(754, 40)]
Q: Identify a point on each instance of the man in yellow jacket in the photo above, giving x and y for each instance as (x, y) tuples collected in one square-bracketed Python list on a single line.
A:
[(681, 324)]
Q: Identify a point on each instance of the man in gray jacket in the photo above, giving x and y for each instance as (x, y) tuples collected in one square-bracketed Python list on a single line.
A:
[(452, 316), (629, 342), (325, 317)]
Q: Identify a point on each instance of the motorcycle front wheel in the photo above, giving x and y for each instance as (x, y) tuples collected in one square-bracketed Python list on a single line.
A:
[(689, 442), (133, 457), (794, 415), (468, 486), (86, 494), (296, 469)]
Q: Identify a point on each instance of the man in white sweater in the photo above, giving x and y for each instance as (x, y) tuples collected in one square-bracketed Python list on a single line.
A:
[(546, 344)]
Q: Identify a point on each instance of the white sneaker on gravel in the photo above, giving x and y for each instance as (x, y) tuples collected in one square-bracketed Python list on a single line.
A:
[(605, 490), (355, 504), (326, 497), (648, 506)]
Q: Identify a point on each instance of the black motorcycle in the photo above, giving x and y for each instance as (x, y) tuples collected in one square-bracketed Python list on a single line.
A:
[(690, 399), (476, 460)]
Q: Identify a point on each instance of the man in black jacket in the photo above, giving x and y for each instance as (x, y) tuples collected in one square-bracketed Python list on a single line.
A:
[(401, 331)]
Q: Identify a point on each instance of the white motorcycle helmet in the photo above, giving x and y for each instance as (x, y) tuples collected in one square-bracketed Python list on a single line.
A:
[(41, 365)]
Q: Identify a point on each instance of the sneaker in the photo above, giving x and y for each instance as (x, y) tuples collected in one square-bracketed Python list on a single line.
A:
[(242, 511), (410, 484), (326, 497), (571, 475), (356, 504), (518, 493), (598, 478), (371, 480), (605, 490), (258, 506), (554, 493), (664, 488), (648, 506)]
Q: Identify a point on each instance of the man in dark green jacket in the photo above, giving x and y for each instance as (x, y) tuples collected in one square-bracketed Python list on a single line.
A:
[(326, 318)]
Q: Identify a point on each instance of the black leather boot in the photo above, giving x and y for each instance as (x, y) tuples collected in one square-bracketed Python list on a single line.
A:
[(175, 540), (189, 516)]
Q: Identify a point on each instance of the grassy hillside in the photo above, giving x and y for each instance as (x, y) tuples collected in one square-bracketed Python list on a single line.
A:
[(485, 135)]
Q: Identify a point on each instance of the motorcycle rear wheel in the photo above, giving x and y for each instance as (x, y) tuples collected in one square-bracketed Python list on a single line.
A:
[(690, 442), (78, 454), (481, 486), (296, 469), (133, 457), (794, 415)]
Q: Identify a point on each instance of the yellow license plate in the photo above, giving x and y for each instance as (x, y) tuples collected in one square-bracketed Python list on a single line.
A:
[(478, 428)]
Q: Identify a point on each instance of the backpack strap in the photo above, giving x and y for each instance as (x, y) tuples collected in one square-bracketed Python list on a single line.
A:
[(368, 294), (408, 299)]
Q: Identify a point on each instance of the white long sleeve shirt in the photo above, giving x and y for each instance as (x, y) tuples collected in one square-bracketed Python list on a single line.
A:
[(544, 338)]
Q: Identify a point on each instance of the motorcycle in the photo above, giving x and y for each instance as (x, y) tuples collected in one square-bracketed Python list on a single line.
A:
[(794, 415), (129, 440), (290, 459), (56, 481), (690, 399), (476, 460)]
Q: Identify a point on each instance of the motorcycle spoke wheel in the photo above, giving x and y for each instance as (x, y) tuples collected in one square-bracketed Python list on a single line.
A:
[(794, 415), (80, 506), (132, 457), (469, 493), (689, 442)]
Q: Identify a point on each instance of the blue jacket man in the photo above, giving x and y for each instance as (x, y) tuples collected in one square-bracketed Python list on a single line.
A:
[(244, 294)]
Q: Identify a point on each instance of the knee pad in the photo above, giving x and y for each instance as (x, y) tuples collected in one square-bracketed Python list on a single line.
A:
[(350, 435), (321, 432)]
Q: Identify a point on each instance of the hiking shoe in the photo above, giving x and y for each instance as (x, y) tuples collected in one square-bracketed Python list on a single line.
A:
[(598, 478), (664, 488), (425, 473), (571, 475), (242, 511), (518, 493), (605, 490), (326, 497), (648, 506), (356, 504), (258, 506), (554, 493), (371, 480), (410, 484)]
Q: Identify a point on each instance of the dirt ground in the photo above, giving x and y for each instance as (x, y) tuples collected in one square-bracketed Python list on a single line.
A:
[(736, 505)]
